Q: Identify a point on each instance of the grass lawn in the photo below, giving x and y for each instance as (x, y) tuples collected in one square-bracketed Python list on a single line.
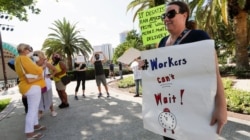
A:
[(4, 103)]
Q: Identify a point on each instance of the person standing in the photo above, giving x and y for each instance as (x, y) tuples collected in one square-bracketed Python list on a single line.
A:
[(99, 72), (30, 89), (137, 75), (49, 71), (80, 69), (60, 87), (111, 70), (120, 70), (176, 21)]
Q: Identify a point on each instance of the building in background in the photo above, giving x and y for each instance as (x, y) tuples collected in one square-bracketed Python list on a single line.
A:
[(107, 49), (9, 52), (123, 36)]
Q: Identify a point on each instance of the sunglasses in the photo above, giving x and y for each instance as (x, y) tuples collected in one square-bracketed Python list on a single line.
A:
[(35, 54), (29, 49), (170, 14)]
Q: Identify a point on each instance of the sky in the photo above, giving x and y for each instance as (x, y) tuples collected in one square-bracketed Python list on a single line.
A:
[(100, 21)]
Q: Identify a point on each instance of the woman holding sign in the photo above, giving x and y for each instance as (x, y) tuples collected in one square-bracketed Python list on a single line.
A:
[(80, 68), (176, 22)]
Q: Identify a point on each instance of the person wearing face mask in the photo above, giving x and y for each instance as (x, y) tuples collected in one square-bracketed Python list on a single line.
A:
[(60, 87), (49, 71), (99, 72), (181, 32), (11, 64), (31, 90)]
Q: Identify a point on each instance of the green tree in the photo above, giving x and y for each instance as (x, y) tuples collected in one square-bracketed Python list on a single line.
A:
[(18, 8), (67, 41), (211, 16), (238, 11), (133, 40)]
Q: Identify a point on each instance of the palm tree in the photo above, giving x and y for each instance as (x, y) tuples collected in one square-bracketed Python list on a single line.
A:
[(238, 11), (211, 16), (67, 41)]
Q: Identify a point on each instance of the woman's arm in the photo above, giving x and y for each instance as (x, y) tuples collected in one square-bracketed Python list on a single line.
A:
[(52, 68), (220, 111)]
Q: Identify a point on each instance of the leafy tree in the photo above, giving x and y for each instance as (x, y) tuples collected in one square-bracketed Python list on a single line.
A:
[(18, 8), (238, 11), (67, 41), (133, 40)]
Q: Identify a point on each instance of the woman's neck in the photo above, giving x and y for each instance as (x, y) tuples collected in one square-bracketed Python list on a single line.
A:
[(176, 34)]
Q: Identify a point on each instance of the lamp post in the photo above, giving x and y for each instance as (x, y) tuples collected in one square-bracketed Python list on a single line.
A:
[(7, 28)]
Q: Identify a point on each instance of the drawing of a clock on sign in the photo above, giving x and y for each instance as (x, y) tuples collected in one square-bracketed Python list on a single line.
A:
[(167, 120)]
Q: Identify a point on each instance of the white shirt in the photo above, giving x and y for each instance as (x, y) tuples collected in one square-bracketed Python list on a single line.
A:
[(136, 71)]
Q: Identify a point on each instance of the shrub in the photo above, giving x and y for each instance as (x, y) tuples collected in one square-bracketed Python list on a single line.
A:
[(4, 103), (237, 100)]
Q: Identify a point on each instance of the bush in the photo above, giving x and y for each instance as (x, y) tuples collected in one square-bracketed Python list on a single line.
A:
[(4, 103), (237, 100)]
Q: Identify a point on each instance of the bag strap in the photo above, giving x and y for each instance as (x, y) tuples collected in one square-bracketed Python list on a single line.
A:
[(22, 67), (182, 36)]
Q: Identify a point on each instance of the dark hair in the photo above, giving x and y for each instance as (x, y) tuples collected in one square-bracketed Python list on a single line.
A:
[(183, 7), (191, 24)]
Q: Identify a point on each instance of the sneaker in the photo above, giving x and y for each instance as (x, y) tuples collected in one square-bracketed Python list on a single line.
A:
[(63, 105), (83, 96), (53, 113), (99, 95), (108, 96), (60, 105), (76, 98), (137, 95)]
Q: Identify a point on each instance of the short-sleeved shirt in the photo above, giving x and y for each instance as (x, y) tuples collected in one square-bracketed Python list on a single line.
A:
[(111, 67), (136, 71), (193, 36), (80, 71)]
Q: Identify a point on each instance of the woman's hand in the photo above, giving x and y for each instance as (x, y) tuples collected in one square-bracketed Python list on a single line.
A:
[(220, 117)]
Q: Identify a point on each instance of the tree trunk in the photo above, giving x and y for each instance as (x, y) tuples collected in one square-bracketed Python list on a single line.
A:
[(240, 22), (69, 62)]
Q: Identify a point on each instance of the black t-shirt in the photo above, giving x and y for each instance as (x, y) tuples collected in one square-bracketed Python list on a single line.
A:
[(98, 67), (80, 71), (193, 36), (120, 66), (82, 67), (111, 67)]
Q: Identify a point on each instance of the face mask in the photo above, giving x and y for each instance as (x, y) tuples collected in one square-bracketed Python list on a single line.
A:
[(35, 58), (30, 54), (97, 57)]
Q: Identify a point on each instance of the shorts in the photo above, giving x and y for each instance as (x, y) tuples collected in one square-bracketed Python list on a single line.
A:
[(100, 79), (60, 85)]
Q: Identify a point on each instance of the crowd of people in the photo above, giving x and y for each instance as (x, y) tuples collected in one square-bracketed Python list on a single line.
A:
[(35, 74)]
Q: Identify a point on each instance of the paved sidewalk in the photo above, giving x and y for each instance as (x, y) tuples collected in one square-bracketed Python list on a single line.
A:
[(118, 118)]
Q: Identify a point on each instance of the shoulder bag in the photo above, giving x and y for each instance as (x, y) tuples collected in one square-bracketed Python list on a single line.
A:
[(30, 78)]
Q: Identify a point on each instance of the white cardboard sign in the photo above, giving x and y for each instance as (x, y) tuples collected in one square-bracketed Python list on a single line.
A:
[(179, 87), (80, 59)]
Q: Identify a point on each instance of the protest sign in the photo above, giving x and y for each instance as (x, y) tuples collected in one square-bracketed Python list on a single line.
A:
[(129, 55), (151, 25), (181, 103), (80, 59)]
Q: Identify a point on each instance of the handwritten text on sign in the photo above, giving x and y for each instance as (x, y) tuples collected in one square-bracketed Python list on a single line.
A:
[(181, 102)]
